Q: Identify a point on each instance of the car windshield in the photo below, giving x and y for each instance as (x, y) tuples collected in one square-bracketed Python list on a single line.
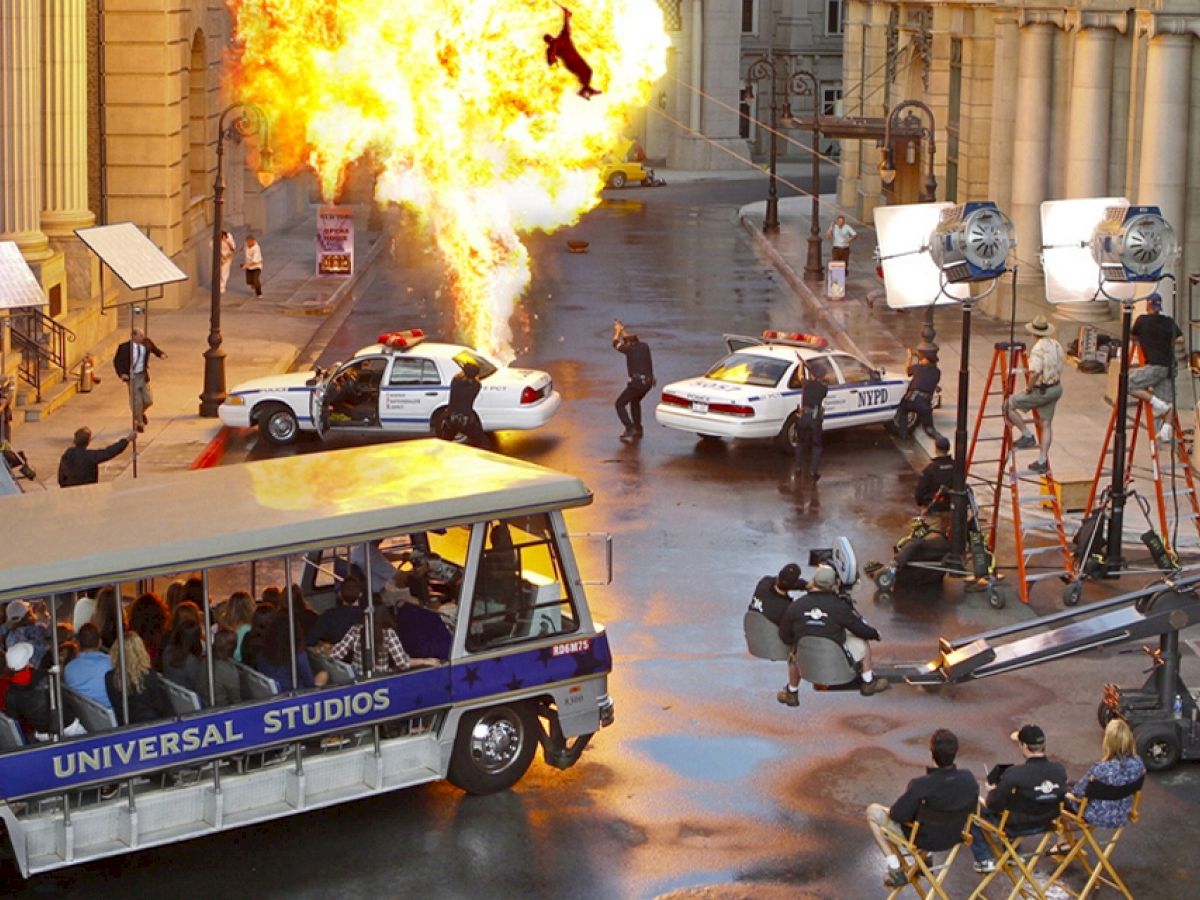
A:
[(747, 368), (486, 366)]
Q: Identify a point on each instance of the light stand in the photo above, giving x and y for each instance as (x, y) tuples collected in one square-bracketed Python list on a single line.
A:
[(764, 67)]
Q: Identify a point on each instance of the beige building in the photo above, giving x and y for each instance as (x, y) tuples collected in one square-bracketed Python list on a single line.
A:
[(108, 113), (1033, 101)]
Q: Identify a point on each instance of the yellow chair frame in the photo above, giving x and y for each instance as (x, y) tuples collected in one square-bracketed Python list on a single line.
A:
[(917, 864), (1088, 852)]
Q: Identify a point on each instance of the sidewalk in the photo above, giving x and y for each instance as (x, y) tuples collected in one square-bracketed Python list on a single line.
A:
[(262, 336), (863, 324)]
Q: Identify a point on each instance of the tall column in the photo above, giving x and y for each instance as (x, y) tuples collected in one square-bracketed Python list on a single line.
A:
[(64, 142), (1031, 143), (1162, 171), (1003, 113), (1091, 102), (20, 127)]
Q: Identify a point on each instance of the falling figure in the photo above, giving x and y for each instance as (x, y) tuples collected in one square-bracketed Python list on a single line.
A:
[(561, 47)]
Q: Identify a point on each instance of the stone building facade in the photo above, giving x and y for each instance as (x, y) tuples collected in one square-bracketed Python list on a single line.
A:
[(1036, 101)]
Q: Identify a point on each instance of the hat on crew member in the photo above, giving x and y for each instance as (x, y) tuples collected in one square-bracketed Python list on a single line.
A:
[(1030, 736), (942, 444), (789, 577), (1154, 300), (824, 578), (16, 611)]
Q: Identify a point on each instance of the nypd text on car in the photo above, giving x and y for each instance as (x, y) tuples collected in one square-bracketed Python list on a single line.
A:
[(401, 385)]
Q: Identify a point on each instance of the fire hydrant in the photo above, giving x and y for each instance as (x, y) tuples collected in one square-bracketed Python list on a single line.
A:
[(87, 375)]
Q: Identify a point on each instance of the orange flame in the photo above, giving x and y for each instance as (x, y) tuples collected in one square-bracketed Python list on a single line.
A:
[(454, 101)]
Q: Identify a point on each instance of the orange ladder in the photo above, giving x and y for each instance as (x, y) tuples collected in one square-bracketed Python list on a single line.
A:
[(1008, 360)]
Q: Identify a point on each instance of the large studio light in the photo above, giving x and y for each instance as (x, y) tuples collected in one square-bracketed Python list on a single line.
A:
[(910, 275), (971, 242), (1133, 244)]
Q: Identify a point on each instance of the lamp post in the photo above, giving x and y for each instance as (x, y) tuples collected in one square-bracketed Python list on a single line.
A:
[(762, 68), (804, 82), (250, 120)]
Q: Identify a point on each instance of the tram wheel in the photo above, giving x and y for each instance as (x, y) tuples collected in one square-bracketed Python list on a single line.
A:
[(494, 748)]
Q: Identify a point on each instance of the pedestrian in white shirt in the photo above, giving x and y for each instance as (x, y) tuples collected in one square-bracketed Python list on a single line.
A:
[(253, 264), (1045, 387), (227, 249), (842, 236)]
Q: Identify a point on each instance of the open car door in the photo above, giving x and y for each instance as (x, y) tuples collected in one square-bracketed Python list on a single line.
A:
[(736, 342)]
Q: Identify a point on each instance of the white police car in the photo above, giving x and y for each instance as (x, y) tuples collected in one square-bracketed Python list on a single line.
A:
[(399, 385), (753, 392)]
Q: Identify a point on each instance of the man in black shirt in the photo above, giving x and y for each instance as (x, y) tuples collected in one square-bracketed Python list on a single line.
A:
[(81, 465), (924, 376), (810, 423), (333, 624), (823, 613), (1037, 782), (943, 789), (771, 597), (461, 418), (933, 487), (641, 378), (1154, 381)]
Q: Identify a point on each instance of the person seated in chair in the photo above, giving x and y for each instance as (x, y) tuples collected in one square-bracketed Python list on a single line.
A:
[(1031, 792), (944, 788), (823, 612), (772, 594)]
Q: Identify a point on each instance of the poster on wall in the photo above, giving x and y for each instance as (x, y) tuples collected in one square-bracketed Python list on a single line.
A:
[(335, 241)]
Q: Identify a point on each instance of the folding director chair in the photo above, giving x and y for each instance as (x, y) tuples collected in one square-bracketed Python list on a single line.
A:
[(934, 831), (1086, 849), (1038, 820)]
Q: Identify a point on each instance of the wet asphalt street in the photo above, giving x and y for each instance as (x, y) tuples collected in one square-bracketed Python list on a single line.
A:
[(705, 786)]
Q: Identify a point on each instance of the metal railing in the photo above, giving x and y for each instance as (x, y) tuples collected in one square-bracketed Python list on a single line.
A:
[(40, 340)]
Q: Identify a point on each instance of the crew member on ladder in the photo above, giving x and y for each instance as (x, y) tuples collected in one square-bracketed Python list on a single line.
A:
[(1045, 388), (1154, 381), (923, 379)]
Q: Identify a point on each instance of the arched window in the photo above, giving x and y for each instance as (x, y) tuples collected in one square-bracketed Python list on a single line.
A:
[(197, 156)]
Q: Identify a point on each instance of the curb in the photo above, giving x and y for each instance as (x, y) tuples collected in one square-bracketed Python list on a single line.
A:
[(213, 450), (802, 291)]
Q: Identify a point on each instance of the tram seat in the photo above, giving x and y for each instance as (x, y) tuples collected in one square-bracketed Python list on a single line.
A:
[(762, 637), (96, 717), (11, 737), (339, 672), (255, 684), (823, 662), (183, 701)]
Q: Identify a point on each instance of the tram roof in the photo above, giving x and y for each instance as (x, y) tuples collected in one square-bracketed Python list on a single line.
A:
[(95, 534)]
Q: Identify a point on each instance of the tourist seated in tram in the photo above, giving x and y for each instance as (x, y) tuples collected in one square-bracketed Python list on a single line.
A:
[(237, 614), (106, 615), (68, 649), (148, 618), (390, 655), (147, 698), (333, 624), (28, 697), (227, 685), (174, 594), (22, 624), (272, 595), (183, 654), (85, 673), (193, 593), (424, 632), (275, 658), (306, 616), (252, 643)]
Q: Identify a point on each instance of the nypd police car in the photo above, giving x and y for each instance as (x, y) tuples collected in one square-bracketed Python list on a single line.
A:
[(399, 385), (753, 392)]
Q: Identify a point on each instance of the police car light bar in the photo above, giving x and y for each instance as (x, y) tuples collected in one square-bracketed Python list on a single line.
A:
[(796, 339), (401, 340)]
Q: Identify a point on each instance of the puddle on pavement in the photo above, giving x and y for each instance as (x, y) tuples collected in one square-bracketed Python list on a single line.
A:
[(709, 759)]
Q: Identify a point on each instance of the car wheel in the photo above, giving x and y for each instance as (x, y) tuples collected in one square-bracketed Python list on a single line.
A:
[(1158, 745), (278, 424), (786, 439), (616, 180), (494, 748)]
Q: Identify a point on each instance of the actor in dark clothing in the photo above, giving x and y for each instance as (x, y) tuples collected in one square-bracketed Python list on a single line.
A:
[(823, 613), (460, 411), (937, 478), (771, 597), (1154, 380), (333, 624), (640, 367), (942, 789), (562, 47), (1036, 784), (924, 376), (132, 363), (81, 465), (810, 424)]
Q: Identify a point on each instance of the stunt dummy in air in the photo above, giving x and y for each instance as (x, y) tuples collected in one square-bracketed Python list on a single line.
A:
[(561, 47)]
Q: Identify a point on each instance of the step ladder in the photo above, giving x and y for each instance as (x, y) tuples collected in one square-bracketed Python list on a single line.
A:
[(1171, 472), (1040, 535)]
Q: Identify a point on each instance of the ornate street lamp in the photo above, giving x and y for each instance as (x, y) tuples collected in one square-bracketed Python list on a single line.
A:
[(760, 69), (800, 83), (250, 120)]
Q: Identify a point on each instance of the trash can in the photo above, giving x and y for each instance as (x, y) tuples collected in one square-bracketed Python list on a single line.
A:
[(87, 375), (835, 280)]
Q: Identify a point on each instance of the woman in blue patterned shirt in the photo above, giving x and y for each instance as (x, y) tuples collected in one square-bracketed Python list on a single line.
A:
[(1119, 765)]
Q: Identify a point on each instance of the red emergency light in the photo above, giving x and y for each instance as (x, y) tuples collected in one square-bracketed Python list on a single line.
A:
[(401, 340), (796, 338)]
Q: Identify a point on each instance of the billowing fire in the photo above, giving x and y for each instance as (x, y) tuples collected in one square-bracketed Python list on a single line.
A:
[(454, 102)]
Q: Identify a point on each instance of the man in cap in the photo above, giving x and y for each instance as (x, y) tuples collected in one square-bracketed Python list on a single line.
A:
[(640, 367), (28, 697), (20, 626), (460, 410), (1045, 388), (772, 595), (824, 612), (80, 464), (1154, 381), (1037, 782), (924, 376)]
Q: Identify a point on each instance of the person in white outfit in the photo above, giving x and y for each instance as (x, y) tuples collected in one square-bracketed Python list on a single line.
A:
[(253, 264), (228, 248)]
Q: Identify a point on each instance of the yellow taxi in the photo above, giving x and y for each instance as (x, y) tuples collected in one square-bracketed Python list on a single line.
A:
[(626, 166)]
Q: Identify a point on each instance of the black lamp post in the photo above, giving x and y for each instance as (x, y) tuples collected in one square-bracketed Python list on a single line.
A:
[(250, 120), (764, 68), (804, 82)]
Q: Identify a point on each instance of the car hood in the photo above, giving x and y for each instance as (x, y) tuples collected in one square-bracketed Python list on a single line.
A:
[(286, 381)]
